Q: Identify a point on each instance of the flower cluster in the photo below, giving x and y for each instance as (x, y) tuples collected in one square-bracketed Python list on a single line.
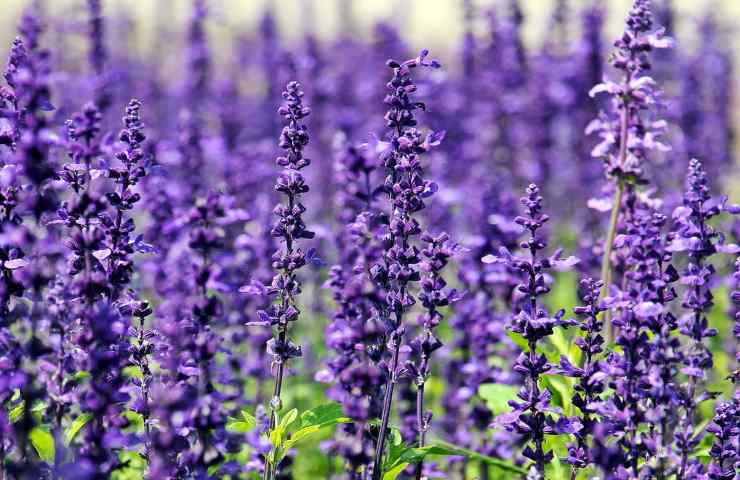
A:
[(629, 134), (406, 190), (530, 417)]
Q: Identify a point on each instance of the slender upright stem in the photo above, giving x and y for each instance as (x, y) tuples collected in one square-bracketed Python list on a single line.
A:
[(421, 426), (606, 271), (387, 400), (275, 400)]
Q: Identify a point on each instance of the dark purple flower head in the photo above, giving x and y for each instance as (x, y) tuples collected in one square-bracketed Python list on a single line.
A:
[(126, 175), (531, 415), (694, 234), (725, 452)]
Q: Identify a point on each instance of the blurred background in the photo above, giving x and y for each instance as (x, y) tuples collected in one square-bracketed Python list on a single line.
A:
[(307, 37), (435, 24)]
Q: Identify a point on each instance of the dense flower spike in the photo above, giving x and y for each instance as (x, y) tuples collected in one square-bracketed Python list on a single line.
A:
[(530, 417), (641, 306), (356, 333), (695, 236), (725, 426), (120, 245), (590, 376), (406, 190), (435, 294), (290, 229)]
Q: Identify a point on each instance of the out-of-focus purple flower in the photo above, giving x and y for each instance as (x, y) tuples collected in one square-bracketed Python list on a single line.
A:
[(630, 133), (98, 54)]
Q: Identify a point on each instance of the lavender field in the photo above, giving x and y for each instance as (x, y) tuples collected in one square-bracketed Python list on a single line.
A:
[(266, 255)]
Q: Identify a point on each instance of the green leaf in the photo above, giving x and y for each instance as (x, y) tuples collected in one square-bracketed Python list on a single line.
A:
[(288, 419), (136, 420), (135, 466), (315, 420), (249, 418), (497, 396), (17, 412), (327, 413), (237, 426), (394, 472), (494, 462), (75, 428), (244, 424), (133, 371), (81, 375), (43, 443), (518, 339), (276, 436), (400, 456), (562, 391)]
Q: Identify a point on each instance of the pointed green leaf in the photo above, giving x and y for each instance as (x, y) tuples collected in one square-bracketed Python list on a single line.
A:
[(301, 434), (497, 396), (394, 472), (249, 418), (43, 443), (237, 426), (494, 462), (330, 412), (518, 339), (276, 436), (17, 412), (136, 421), (562, 391), (288, 419), (75, 428)]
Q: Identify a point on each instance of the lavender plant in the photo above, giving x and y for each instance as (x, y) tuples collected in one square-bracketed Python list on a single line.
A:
[(630, 132), (529, 417), (406, 190), (287, 261)]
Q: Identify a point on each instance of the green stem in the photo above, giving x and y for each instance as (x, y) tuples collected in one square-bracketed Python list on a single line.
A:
[(606, 270)]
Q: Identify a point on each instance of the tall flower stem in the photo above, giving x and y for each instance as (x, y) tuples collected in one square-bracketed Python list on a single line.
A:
[(387, 401), (606, 267)]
